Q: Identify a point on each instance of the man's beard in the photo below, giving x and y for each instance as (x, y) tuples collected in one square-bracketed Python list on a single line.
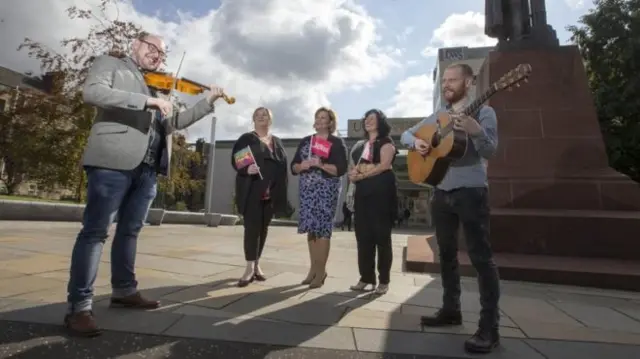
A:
[(458, 94)]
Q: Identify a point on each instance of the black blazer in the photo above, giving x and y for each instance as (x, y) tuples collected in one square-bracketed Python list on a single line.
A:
[(250, 188), (337, 156)]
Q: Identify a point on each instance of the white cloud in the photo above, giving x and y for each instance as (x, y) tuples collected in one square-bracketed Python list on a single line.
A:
[(465, 29), (287, 55), (405, 33), (413, 97), (575, 4), (414, 94)]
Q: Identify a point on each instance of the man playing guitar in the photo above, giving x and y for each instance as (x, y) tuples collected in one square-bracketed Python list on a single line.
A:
[(462, 197)]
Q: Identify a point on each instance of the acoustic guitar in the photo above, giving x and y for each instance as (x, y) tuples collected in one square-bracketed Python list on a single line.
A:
[(447, 143)]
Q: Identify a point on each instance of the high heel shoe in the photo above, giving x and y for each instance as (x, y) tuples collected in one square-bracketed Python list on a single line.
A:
[(308, 280), (313, 285), (245, 282)]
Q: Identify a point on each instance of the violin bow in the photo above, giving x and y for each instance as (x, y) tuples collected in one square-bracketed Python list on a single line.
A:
[(175, 78)]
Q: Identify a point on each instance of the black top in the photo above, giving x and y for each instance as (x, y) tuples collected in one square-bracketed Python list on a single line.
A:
[(251, 189), (383, 183), (337, 156)]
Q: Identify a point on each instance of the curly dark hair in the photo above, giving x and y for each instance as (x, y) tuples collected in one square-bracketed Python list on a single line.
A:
[(384, 128)]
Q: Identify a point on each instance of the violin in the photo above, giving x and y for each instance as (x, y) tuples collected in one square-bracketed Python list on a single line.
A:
[(163, 83)]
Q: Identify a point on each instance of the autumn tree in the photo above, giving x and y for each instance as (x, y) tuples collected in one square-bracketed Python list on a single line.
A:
[(43, 134), (39, 139), (184, 189), (609, 40)]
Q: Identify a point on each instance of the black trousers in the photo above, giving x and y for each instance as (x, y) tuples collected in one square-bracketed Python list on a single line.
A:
[(373, 224), (347, 222), (469, 206), (256, 225)]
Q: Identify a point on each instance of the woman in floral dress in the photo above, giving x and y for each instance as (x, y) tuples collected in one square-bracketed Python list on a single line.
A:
[(320, 161)]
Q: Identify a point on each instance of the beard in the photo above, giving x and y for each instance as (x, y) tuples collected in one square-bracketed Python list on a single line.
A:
[(454, 95)]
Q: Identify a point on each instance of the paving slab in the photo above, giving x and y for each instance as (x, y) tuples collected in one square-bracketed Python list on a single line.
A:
[(538, 310), (563, 349), (217, 295), (196, 277), (289, 307), (600, 317), (195, 310), (37, 263), (349, 300), (181, 266), (7, 274), (265, 332), (10, 287), (36, 341), (435, 345), (472, 318), (555, 331)]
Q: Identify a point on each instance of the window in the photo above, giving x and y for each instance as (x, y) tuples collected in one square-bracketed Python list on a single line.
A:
[(3, 105)]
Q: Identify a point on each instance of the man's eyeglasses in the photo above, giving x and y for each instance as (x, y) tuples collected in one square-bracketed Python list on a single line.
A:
[(155, 50)]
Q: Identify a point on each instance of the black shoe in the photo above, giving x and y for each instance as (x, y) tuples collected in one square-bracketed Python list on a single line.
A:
[(260, 277), (442, 318), (483, 341), (243, 283)]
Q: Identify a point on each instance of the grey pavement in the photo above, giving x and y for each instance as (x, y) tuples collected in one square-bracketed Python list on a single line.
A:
[(193, 270)]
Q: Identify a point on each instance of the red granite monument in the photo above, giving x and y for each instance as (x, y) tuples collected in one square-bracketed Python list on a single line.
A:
[(560, 214)]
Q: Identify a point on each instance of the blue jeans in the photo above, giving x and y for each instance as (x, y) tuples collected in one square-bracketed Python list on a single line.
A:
[(127, 194)]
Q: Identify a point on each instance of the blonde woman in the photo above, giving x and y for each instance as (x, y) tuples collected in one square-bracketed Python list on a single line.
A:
[(320, 161), (261, 188)]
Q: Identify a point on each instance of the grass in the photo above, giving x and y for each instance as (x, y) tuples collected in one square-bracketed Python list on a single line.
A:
[(31, 199)]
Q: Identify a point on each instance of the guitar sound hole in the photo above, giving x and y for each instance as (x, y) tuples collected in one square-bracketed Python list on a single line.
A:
[(435, 141)]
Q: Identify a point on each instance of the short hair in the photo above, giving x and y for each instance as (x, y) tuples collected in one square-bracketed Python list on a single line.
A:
[(333, 118), (142, 35), (384, 128), (466, 70), (253, 117)]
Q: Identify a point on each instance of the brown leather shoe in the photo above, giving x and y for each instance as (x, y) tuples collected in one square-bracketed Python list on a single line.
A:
[(134, 301), (82, 324)]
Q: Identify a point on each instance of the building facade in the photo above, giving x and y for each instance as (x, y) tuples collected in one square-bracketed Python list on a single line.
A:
[(473, 57)]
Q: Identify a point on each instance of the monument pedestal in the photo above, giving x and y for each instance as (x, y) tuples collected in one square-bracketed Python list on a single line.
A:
[(552, 191)]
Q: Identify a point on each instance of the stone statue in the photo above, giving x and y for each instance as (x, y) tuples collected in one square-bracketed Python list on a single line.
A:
[(519, 23), (507, 20)]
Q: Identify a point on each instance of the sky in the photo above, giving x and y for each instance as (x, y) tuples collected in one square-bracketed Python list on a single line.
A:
[(292, 56)]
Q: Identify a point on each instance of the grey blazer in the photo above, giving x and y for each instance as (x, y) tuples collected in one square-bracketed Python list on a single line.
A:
[(119, 137)]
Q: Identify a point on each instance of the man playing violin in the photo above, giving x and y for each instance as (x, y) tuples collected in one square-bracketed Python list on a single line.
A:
[(129, 144)]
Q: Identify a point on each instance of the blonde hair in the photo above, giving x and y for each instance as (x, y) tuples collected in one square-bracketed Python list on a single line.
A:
[(333, 118), (253, 117)]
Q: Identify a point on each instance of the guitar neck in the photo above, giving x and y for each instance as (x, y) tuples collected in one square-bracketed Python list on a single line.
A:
[(475, 105)]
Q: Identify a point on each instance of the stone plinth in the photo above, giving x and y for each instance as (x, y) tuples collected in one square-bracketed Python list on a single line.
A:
[(552, 189), (422, 256)]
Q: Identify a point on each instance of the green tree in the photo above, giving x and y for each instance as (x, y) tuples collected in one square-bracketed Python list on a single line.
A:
[(42, 139), (182, 190), (609, 41)]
